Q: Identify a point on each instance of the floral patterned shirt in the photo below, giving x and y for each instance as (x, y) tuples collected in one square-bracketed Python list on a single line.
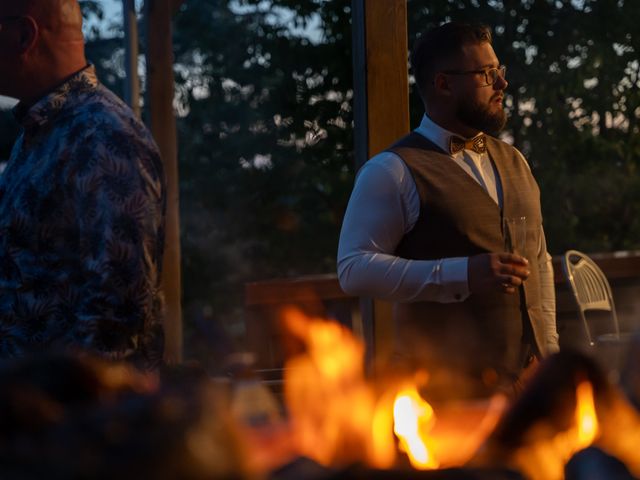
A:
[(82, 218)]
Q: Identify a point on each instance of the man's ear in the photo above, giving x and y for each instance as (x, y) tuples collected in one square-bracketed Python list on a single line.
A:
[(29, 33), (441, 84)]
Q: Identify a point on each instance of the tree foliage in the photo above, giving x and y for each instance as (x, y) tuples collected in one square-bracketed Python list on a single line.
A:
[(265, 140), (574, 100)]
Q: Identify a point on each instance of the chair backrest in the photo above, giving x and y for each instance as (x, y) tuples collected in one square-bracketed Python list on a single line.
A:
[(590, 288)]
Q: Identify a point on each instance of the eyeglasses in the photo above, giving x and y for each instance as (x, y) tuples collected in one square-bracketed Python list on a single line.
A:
[(4, 20), (490, 74)]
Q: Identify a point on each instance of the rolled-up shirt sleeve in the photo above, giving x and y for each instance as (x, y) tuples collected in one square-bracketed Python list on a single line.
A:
[(384, 207)]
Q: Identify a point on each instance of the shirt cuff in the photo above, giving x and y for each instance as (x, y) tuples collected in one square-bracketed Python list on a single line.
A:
[(454, 278)]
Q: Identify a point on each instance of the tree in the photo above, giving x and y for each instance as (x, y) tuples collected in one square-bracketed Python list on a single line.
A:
[(265, 142)]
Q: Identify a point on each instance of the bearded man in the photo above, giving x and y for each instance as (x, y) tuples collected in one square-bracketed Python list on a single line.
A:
[(424, 227), (82, 200)]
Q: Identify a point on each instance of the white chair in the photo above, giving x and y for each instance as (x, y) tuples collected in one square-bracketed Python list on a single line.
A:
[(590, 289)]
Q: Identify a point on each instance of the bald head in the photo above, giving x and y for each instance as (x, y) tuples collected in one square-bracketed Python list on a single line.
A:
[(61, 16), (44, 44)]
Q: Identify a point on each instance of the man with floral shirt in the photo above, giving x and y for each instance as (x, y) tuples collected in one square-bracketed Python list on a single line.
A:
[(82, 200)]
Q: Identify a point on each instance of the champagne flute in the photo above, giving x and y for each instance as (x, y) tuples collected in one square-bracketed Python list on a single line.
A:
[(515, 234)]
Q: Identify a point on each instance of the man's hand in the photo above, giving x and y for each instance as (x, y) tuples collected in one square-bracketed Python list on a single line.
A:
[(488, 272)]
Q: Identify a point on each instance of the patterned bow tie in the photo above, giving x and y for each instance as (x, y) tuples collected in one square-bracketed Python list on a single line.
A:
[(477, 144)]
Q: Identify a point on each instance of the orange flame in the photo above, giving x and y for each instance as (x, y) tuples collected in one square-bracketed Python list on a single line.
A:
[(545, 458), (330, 404), (586, 419), (619, 431), (382, 452), (337, 418), (414, 418)]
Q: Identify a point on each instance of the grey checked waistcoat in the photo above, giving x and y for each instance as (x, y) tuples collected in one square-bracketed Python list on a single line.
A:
[(458, 218)]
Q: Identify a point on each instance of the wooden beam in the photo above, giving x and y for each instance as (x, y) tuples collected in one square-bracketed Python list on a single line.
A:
[(387, 72), (160, 95), (131, 80), (381, 116), (360, 116), (381, 78)]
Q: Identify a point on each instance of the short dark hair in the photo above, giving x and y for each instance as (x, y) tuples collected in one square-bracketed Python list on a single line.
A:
[(440, 43)]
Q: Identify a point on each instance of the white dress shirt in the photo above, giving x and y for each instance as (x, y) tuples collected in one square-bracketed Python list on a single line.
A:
[(385, 205)]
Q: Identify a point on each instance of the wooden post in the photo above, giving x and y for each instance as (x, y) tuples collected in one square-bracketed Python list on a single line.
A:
[(381, 114), (160, 95), (131, 81)]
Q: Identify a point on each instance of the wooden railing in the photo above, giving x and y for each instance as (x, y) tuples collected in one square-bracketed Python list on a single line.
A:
[(321, 295)]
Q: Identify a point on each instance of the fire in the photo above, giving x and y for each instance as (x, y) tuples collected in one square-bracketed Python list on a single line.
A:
[(330, 404), (414, 418), (382, 451), (545, 456), (586, 419), (620, 431), (338, 417)]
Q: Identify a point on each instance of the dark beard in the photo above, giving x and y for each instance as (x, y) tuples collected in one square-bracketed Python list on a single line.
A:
[(479, 117)]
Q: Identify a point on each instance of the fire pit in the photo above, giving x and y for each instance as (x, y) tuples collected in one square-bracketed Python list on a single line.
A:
[(338, 418), (68, 417)]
